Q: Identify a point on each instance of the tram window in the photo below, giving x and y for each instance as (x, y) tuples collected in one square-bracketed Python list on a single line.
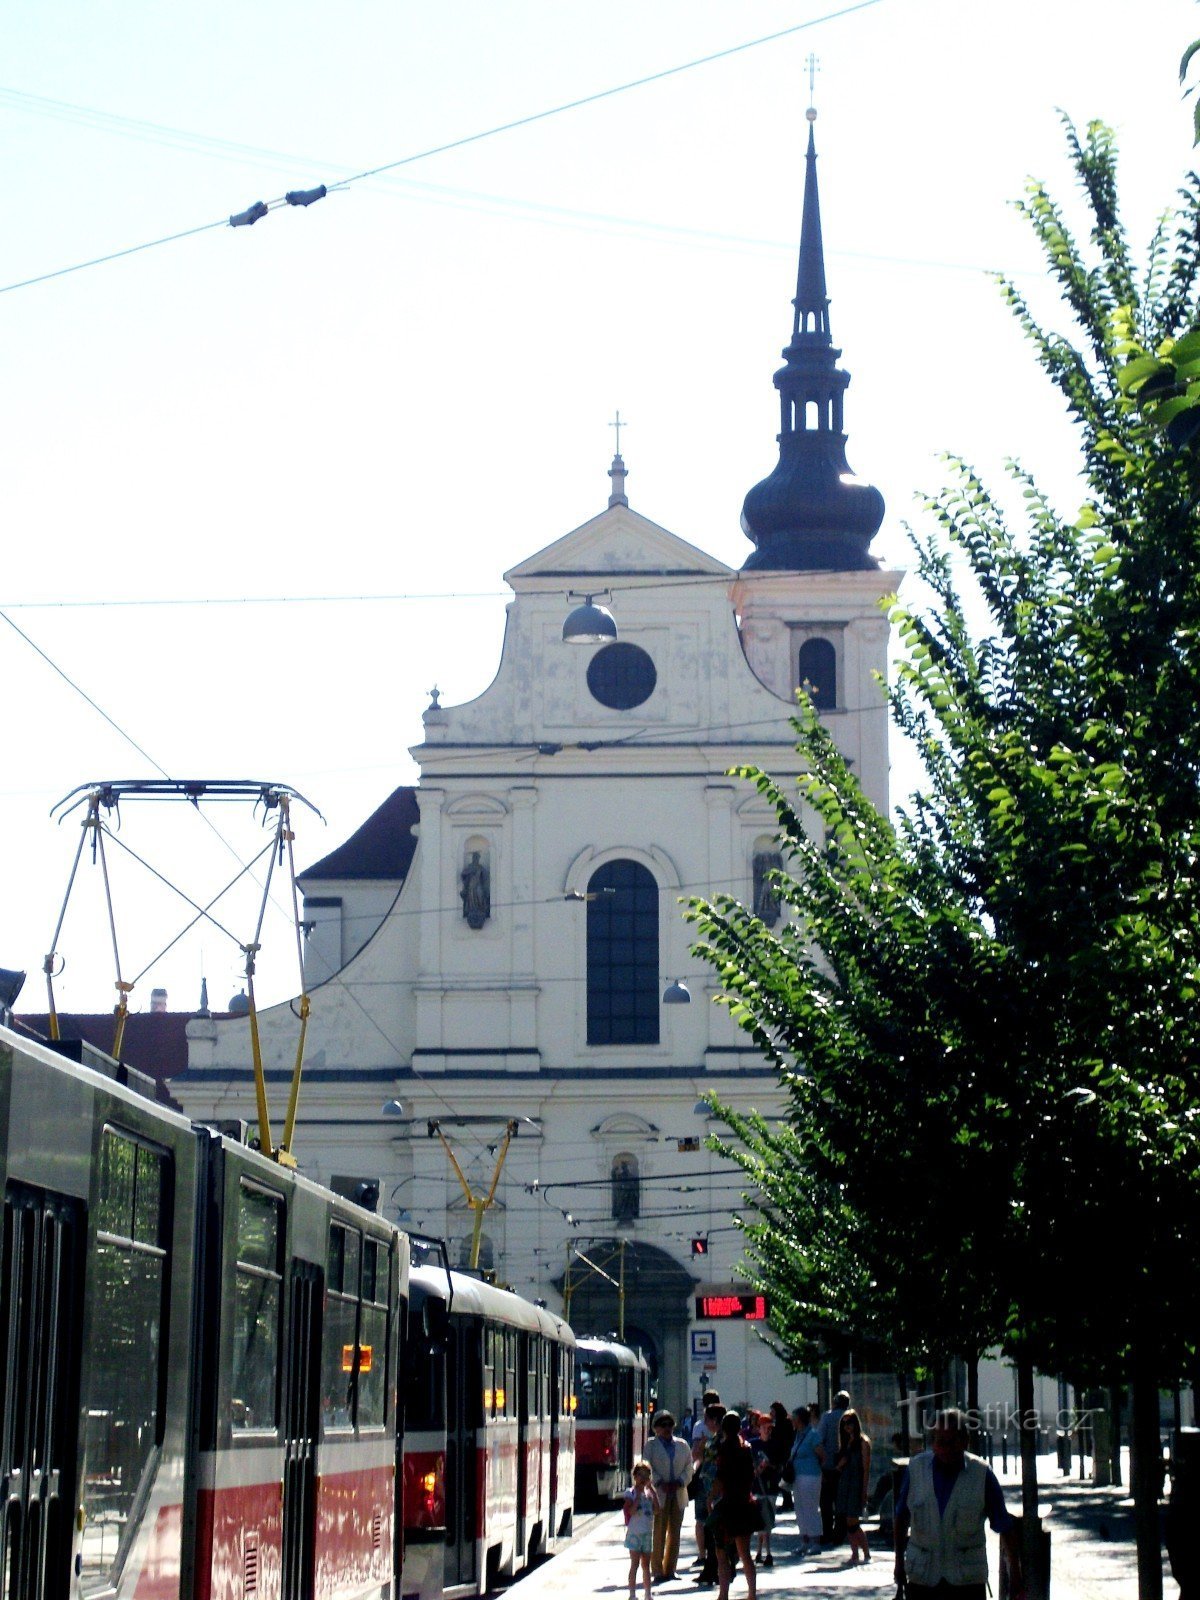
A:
[(128, 1272), (533, 1384), (258, 1299), (512, 1398), (597, 1392), (489, 1372), (372, 1339), (424, 1379), (338, 1356)]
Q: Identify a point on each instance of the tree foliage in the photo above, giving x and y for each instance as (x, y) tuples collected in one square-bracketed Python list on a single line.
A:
[(986, 1015)]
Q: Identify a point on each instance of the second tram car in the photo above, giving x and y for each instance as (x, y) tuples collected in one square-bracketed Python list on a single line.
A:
[(489, 1447), (612, 1387)]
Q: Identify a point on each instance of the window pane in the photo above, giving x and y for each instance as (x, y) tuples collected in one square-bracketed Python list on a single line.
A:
[(372, 1372), (622, 955), (258, 1230), (114, 1204), (147, 1197), (255, 1351), (337, 1361), (120, 1403)]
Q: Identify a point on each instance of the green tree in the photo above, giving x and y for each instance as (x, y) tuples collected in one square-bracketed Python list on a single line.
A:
[(985, 1016)]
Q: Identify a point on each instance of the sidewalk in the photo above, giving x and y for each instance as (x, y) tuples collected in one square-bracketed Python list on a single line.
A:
[(1092, 1555)]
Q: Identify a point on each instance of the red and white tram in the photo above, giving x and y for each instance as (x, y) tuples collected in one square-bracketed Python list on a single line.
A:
[(489, 1445), (219, 1381), (612, 1388), (199, 1353)]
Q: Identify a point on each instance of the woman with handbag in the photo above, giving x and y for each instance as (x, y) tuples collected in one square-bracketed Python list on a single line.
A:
[(804, 1464)]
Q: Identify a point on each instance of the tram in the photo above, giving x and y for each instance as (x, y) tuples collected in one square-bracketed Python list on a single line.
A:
[(489, 1444), (220, 1381), (198, 1356), (612, 1387)]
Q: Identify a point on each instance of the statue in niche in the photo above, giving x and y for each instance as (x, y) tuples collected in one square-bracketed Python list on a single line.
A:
[(476, 891), (766, 891), (626, 1190)]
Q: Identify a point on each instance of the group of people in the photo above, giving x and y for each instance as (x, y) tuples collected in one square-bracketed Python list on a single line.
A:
[(733, 1469)]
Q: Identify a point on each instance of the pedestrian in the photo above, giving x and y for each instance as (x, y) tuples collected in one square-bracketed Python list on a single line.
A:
[(806, 1476), (945, 1497), (779, 1445), (671, 1471), (733, 1517), (704, 1460), (854, 1475), (640, 1505), (832, 1529), (764, 1502)]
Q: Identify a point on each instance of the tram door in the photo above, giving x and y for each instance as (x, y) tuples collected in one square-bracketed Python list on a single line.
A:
[(40, 1418), (463, 1402), (302, 1389)]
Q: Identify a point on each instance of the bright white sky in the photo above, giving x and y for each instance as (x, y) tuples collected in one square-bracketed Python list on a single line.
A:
[(407, 388)]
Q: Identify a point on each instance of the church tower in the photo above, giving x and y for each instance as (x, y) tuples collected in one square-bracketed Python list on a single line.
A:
[(501, 945), (810, 596)]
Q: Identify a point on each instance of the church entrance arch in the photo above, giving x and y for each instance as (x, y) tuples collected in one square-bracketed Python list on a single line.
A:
[(658, 1303)]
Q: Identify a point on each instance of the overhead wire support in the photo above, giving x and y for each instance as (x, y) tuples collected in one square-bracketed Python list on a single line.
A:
[(273, 797), (305, 197)]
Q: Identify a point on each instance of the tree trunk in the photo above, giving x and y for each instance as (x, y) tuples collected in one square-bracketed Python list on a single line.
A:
[(1031, 1527), (1145, 1473)]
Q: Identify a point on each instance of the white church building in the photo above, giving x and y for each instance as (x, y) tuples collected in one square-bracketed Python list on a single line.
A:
[(493, 945)]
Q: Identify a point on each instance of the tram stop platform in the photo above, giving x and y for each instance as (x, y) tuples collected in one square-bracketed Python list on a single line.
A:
[(1092, 1556)]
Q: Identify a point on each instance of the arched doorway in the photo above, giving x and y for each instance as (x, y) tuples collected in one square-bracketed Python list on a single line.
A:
[(658, 1295)]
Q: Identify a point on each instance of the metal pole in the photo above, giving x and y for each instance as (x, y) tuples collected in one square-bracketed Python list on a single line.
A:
[(621, 1297)]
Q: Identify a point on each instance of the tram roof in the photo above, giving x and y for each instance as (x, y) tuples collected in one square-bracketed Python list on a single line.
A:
[(486, 1300), (606, 1353)]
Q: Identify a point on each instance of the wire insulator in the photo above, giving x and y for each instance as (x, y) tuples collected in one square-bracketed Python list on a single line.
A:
[(305, 197), (247, 218)]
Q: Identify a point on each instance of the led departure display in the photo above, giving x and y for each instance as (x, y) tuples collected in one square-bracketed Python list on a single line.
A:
[(737, 1307)]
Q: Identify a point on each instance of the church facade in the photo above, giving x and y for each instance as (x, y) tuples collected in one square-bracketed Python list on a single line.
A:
[(488, 955)]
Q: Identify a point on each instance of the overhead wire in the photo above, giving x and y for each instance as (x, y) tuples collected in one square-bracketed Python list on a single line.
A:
[(294, 197)]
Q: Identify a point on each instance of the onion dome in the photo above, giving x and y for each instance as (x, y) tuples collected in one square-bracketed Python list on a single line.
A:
[(811, 513)]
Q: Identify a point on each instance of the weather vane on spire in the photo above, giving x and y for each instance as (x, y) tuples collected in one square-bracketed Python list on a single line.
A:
[(813, 68)]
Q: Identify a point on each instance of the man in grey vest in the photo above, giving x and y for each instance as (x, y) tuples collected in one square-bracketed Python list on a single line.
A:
[(945, 1497)]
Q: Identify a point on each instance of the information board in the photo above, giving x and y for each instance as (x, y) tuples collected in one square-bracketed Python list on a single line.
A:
[(731, 1307)]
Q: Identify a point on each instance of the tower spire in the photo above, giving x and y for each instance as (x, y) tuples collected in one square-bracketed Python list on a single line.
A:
[(811, 513)]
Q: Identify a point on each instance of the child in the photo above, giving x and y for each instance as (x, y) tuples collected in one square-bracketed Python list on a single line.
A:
[(764, 1499), (640, 1505)]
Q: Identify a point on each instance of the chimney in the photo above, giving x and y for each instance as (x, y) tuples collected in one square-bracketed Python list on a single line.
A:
[(158, 1000)]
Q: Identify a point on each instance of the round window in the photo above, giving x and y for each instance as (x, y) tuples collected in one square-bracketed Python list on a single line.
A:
[(621, 676)]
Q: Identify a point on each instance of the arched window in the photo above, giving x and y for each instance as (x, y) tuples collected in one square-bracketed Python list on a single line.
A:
[(626, 1188), (816, 672), (622, 955)]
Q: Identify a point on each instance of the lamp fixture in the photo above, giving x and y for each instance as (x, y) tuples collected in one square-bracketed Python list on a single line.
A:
[(392, 1108), (677, 993), (588, 623)]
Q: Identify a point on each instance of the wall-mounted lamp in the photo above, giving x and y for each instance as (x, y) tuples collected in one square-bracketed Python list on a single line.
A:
[(677, 993), (392, 1108), (588, 623)]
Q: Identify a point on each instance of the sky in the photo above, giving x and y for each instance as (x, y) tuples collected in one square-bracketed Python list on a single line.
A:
[(260, 485)]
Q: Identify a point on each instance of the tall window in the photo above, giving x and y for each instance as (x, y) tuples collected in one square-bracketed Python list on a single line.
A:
[(622, 955), (121, 1404), (816, 670)]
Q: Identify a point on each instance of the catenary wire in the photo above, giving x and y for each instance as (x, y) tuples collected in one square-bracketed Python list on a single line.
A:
[(458, 144)]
